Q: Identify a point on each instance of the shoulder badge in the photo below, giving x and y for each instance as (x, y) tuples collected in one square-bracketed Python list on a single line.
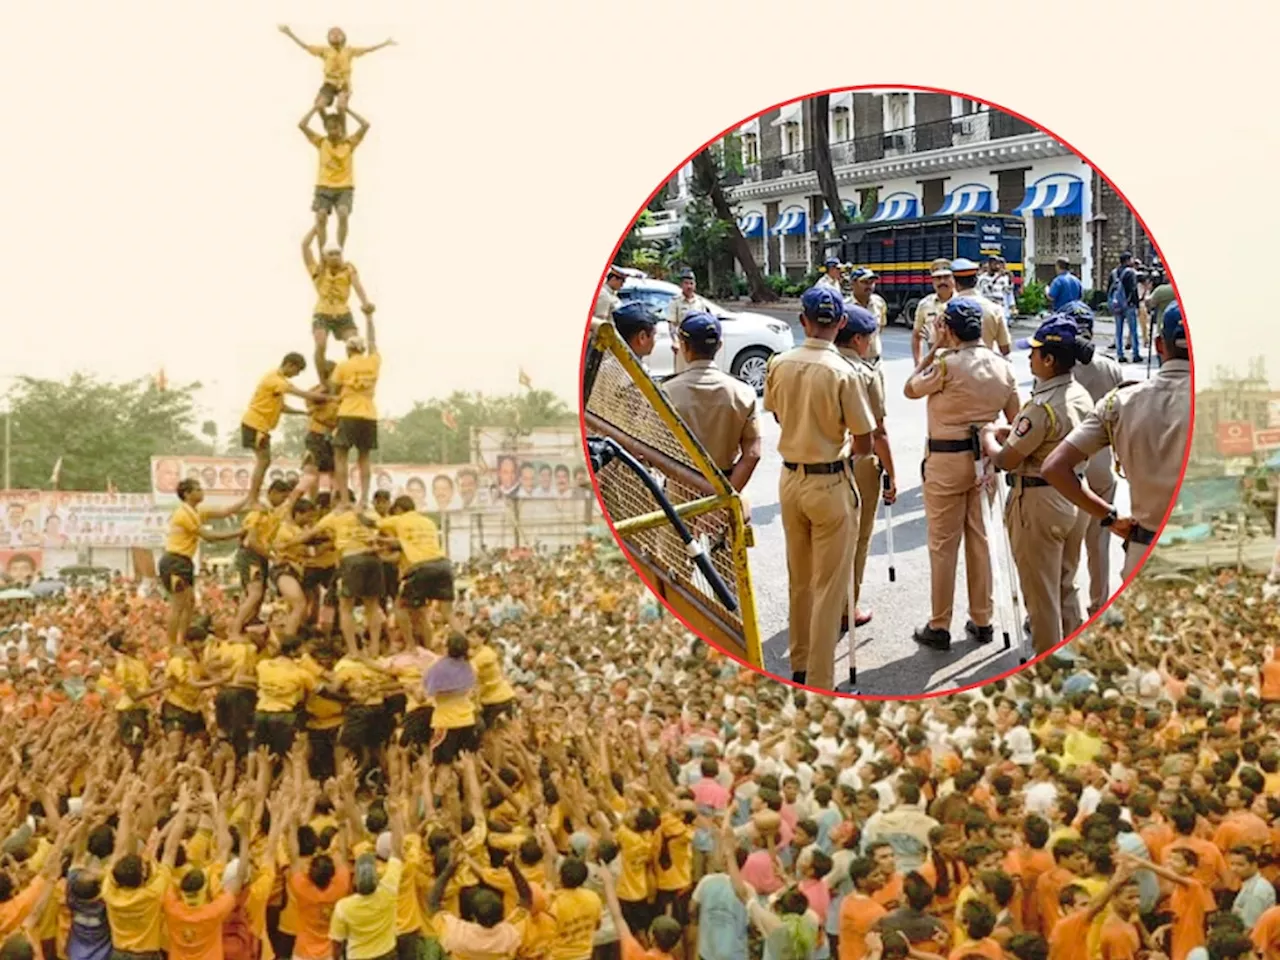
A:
[(1022, 427)]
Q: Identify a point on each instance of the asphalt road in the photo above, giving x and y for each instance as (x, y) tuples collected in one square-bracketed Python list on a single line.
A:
[(889, 662)]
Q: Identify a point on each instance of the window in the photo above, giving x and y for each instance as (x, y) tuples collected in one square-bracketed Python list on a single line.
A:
[(897, 110), (841, 124), (655, 300), (792, 139), (750, 148), (963, 107)]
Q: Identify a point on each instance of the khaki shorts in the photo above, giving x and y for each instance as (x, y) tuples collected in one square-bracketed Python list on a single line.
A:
[(341, 325), (329, 199)]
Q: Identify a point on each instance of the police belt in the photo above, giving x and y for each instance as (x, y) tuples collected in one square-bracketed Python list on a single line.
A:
[(810, 469), (1141, 535), (1019, 480), (950, 446)]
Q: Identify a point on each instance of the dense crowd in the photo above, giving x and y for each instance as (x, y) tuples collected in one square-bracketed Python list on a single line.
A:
[(566, 773)]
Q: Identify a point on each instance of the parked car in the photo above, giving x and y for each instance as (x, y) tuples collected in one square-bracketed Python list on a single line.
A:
[(750, 339)]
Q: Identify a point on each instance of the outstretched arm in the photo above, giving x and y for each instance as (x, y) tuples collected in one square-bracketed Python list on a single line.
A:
[(361, 51), (288, 32), (309, 258)]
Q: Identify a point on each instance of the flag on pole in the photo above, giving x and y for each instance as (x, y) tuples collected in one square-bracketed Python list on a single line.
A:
[(111, 487), (56, 478), (448, 418), (162, 382), (524, 380)]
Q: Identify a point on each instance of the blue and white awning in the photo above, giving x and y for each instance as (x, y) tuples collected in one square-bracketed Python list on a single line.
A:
[(752, 224), (970, 198), (897, 206), (1055, 195), (828, 221), (790, 224)]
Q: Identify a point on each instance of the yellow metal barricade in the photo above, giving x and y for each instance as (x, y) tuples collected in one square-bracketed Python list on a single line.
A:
[(623, 404)]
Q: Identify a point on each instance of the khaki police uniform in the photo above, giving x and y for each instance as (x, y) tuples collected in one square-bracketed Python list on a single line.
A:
[(967, 387), (1046, 530), (866, 469), (677, 310), (995, 329), (881, 309), (719, 410), (929, 310), (818, 400), (826, 283), (1099, 377), (1145, 425), (606, 302)]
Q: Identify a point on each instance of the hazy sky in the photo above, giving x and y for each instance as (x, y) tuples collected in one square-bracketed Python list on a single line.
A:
[(157, 189)]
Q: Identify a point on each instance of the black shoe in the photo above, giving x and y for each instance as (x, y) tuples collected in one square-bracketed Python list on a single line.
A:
[(1137, 358), (1120, 358), (979, 634), (798, 677), (933, 638)]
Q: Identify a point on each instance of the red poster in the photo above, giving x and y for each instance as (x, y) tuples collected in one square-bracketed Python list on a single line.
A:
[(1235, 438)]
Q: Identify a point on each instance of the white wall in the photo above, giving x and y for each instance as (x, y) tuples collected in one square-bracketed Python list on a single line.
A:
[(1076, 167)]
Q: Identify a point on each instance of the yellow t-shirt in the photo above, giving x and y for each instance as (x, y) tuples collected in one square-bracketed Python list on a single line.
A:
[(337, 160), (453, 710), (240, 657), (264, 524), (679, 837), (322, 417), (337, 62), (356, 377), (368, 924), (637, 849), (491, 683), (286, 532), (362, 682), (130, 674), (419, 538), (181, 671), (333, 289), (409, 916), (350, 535), (184, 531), (577, 914), (282, 685), (267, 402), (136, 916)]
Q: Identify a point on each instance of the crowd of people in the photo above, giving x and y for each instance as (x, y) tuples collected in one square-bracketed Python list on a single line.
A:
[(563, 772)]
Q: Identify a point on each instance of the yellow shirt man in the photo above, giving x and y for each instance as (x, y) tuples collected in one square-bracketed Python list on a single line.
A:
[(132, 676), (350, 535), (135, 914), (282, 685), (337, 62), (577, 914), (361, 682), (491, 684), (267, 402), (419, 538), (333, 289), (181, 673), (356, 378), (636, 882), (367, 924), (337, 160), (184, 531)]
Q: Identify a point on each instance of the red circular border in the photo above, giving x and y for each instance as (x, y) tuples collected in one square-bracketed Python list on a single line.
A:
[(1186, 456)]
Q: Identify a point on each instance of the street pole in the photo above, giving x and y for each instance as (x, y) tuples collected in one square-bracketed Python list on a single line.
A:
[(8, 434)]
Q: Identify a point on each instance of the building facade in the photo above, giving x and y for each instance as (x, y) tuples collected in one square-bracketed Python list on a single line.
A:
[(904, 154)]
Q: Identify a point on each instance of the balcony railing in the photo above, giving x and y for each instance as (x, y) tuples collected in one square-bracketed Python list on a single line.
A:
[(981, 127)]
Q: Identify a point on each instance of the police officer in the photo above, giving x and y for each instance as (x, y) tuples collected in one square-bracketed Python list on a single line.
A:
[(681, 306), (1099, 376), (967, 385), (854, 341), (931, 308), (818, 400), (635, 324), (1046, 530), (719, 410), (995, 331), (607, 300), (613, 386), (832, 279), (1146, 426), (862, 281)]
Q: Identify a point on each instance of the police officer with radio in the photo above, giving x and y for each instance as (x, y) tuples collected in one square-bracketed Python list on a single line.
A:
[(1146, 426), (966, 386), (819, 401), (1099, 375)]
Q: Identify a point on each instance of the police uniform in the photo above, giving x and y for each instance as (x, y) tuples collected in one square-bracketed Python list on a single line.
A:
[(1046, 530), (719, 410), (607, 301), (1145, 425), (995, 329), (877, 306), (866, 468), (965, 388), (931, 307), (677, 310), (826, 281), (817, 399), (1099, 377)]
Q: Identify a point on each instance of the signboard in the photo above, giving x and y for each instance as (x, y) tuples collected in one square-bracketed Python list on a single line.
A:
[(21, 565), (1266, 439), (65, 520), (1273, 413), (1235, 438)]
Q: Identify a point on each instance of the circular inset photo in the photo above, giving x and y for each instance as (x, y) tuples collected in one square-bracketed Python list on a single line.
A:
[(886, 391)]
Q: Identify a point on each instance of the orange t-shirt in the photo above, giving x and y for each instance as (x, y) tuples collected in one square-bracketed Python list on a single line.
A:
[(1119, 940), (195, 933), (858, 914), (1156, 836), (1048, 888), (1212, 869), (1190, 904), (890, 896), (314, 910), (1070, 937), (1029, 866), (985, 947), (15, 910), (1242, 828), (1266, 934), (632, 950), (1270, 689)]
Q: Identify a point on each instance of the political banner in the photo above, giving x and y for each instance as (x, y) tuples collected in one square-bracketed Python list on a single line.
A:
[(88, 519), (21, 565)]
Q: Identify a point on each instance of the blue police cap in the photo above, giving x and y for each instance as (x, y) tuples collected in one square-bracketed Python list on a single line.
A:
[(964, 316), (1080, 312), (1057, 329), (830, 262), (633, 312), (687, 275), (860, 320), (822, 305), (1172, 327), (700, 326), (864, 273)]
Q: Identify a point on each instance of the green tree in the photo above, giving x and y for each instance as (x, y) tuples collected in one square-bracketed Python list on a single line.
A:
[(633, 244), (707, 183), (100, 430)]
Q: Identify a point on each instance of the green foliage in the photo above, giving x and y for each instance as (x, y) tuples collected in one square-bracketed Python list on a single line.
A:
[(633, 243), (420, 436), (100, 429), (728, 156), (703, 238), (1033, 298), (777, 283), (1096, 299)]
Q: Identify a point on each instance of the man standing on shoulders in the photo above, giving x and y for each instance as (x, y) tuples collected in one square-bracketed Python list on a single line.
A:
[(354, 380), (335, 179), (334, 279)]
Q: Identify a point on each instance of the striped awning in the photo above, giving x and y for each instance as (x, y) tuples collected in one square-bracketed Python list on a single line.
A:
[(828, 222), (790, 224), (970, 198), (897, 206), (752, 224), (1055, 195)]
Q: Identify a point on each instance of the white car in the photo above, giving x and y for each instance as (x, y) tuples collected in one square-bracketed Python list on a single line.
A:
[(750, 339)]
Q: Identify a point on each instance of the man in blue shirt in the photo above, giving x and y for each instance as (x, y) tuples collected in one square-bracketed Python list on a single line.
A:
[(1066, 286)]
